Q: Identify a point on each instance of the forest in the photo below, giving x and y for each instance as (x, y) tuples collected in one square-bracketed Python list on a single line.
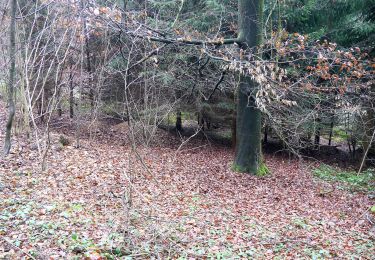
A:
[(187, 129)]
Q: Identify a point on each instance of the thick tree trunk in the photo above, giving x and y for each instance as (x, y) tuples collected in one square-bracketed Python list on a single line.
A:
[(248, 135), (12, 72)]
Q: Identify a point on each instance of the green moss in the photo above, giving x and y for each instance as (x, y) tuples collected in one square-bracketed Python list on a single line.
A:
[(260, 172), (237, 168)]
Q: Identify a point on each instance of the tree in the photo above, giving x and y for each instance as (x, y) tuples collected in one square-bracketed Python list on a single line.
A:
[(12, 72), (248, 156), (248, 130), (250, 12), (346, 22)]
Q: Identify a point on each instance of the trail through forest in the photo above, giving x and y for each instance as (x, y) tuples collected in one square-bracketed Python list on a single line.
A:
[(100, 200)]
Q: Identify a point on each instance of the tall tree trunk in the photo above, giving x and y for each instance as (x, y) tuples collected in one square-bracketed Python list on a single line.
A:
[(179, 121), (71, 93), (124, 8), (88, 55), (248, 144), (331, 129), (12, 72), (367, 143), (59, 106), (317, 133), (233, 131), (265, 139)]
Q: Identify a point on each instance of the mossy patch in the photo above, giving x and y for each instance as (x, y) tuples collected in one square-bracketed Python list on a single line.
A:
[(260, 172), (237, 168)]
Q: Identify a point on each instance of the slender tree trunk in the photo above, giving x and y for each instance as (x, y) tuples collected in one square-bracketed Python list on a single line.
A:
[(125, 4), (234, 133), (88, 57), (40, 108), (178, 121), (279, 26), (201, 122), (363, 163), (59, 107), (367, 143), (265, 140), (331, 130), (317, 133), (124, 7), (248, 144), (71, 94), (12, 72)]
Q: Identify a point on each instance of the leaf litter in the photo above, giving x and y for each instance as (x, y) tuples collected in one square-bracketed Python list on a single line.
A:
[(100, 201)]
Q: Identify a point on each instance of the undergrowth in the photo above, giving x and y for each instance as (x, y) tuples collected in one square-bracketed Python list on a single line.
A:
[(347, 179)]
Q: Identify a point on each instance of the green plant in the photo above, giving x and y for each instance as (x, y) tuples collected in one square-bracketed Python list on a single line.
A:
[(64, 141), (339, 135), (351, 179), (301, 223), (80, 245)]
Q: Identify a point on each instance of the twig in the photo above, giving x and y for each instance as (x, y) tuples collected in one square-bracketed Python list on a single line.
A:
[(183, 143), (178, 14), (217, 84)]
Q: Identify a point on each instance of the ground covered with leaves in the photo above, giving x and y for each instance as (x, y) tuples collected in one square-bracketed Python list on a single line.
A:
[(105, 199)]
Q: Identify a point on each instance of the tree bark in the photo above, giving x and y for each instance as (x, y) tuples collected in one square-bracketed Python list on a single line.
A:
[(248, 135), (178, 121), (331, 130), (12, 72), (88, 56), (265, 140), (71, 94), (234, 133), (317, 133), (59, 106)]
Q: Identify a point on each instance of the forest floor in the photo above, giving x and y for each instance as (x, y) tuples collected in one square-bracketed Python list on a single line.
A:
[(101, 201)]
